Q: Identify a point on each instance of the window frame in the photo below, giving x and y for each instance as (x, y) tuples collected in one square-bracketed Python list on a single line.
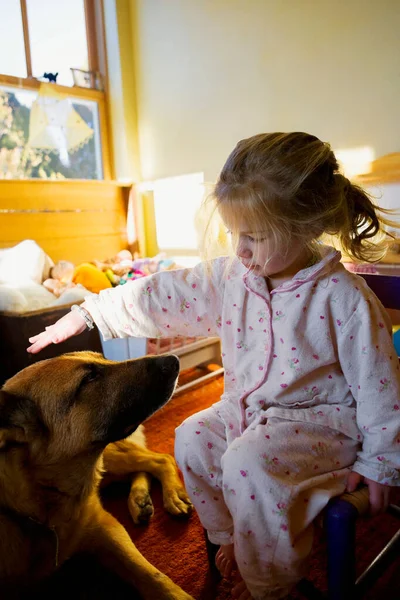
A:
[(95, 36)]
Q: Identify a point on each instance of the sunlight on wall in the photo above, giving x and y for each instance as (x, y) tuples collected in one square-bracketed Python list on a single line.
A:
[(176, 202), (131, 230), (355, 161)]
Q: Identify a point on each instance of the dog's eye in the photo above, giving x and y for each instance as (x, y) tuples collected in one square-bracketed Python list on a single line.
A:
[(92, 373)]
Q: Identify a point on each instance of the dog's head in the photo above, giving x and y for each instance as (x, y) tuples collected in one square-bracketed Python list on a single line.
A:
[(78, 402)]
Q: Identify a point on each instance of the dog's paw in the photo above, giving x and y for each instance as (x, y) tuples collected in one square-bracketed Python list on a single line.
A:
[(140, 506), (177, 502)]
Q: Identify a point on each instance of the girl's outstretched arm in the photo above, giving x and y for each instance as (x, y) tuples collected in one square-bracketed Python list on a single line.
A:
[(185, 302)]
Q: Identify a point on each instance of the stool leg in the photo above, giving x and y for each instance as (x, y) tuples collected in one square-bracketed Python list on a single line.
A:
[(340, 524), (212, 550)]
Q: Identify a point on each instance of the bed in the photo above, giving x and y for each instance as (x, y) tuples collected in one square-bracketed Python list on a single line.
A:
[(80, 221)]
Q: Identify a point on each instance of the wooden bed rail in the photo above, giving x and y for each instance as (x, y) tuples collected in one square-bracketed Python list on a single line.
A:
[(73, 220)]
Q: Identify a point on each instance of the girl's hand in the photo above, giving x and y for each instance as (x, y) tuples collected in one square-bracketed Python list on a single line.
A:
[(69, 325), (378, 493)]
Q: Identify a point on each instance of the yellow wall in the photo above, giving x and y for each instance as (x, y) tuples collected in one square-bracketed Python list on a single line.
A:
[(121, 53), (122, 88), (210, 72)]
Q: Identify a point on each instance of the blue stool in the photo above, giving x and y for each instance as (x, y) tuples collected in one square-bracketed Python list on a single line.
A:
[(396, 341)]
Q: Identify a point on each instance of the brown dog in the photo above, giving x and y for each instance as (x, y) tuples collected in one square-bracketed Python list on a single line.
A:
[(61, 422)]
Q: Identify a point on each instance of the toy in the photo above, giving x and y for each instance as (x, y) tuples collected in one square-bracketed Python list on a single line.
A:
[(63, 270), (114, 279), (51, 77), (91, 278), (152, 265), (122, 268), (60, 279), (57, 287)]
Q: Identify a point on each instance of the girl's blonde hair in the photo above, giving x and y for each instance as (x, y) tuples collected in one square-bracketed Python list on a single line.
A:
[(289, 185)]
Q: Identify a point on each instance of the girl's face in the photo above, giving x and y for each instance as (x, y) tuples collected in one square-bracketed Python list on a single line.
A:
[(257, 250)]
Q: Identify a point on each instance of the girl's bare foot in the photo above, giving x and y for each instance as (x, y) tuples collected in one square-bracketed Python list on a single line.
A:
[(240, 591), (225, 560)]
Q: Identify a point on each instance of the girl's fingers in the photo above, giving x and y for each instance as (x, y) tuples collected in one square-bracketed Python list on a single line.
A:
[(353, 481), (34, 338), (40, 342), (44, 339), (69, 325)]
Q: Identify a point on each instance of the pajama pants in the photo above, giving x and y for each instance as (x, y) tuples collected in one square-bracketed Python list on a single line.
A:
[(262, 490)]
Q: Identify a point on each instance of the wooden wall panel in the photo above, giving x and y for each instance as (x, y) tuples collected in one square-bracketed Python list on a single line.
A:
[(70, 220), (65, 248), (45, 226)]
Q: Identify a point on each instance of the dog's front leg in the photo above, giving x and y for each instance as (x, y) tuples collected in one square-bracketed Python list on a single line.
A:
[(125, 457), (105, 537)]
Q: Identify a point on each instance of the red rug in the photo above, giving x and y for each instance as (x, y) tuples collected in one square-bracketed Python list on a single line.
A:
[(177, 547)]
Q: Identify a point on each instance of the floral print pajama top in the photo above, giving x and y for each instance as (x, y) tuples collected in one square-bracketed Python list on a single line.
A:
[(316, 349)]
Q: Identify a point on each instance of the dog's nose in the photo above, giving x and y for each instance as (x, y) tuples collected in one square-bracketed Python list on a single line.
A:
[(170, 363)]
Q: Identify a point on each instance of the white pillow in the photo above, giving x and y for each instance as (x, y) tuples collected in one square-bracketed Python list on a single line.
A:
[(24, 298), (12, 300), (23, 263)]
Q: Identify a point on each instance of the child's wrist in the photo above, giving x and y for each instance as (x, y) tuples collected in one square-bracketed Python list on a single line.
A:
[(85, 314)]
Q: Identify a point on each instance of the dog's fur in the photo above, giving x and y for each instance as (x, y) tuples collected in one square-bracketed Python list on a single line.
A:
[(61, 425)]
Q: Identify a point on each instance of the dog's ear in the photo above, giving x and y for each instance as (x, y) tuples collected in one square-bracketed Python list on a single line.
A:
[(19, 417)]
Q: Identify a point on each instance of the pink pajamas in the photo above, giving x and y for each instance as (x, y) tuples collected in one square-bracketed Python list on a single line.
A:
[(263, 490), (312, 387)]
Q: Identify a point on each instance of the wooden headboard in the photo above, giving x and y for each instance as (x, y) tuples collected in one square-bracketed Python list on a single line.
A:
[(71, 220)]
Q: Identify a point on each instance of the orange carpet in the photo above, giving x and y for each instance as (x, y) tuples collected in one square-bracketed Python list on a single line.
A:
[(177, 547)]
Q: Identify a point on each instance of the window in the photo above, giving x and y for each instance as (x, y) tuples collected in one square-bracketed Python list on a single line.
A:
[(57, 36), (25, 154), (55, 130), (12, 52)]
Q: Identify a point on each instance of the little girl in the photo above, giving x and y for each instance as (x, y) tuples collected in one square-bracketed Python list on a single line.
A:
[(312, 385)]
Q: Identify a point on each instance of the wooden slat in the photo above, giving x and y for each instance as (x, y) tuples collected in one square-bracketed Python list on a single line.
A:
[(25, 27), (33, 194), (91, 36), (45, 226), (78, 250), (71, 220)]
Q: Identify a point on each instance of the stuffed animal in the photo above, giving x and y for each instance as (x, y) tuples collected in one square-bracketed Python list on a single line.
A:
[(120, 264), (91, 278), (60, 278)]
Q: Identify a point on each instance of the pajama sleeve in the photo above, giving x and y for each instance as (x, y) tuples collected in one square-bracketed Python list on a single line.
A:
[(371, 368), (183, 302)]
